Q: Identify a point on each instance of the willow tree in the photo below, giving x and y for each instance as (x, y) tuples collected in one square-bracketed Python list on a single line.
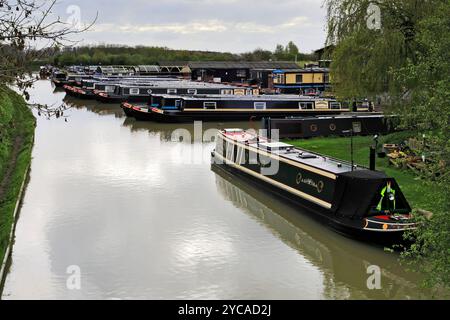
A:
[(373, 38), (401, 49)]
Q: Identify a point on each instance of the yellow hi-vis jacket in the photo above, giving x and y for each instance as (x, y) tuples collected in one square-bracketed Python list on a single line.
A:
[(383, 193)]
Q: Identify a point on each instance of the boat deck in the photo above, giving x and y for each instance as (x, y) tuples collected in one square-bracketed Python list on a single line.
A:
[(292, 153)]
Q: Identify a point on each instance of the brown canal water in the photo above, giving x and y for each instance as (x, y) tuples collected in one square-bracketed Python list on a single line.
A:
[(119, 209)]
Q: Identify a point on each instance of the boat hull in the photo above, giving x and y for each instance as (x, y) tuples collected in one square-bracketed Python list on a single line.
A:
[(120, 99), (232, 115), (353, 228)]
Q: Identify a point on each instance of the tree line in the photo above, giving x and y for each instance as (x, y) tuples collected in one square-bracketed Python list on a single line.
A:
[(142, 55)]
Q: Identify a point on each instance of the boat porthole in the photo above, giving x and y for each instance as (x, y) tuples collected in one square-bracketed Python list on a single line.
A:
[(313, 128), (332, 127), (299, 178)]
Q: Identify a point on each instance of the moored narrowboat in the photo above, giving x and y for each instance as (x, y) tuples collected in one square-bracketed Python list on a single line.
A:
[(90, 87), (59, 78), (234, 108), (334, 125), (142, 93), (351, 199)]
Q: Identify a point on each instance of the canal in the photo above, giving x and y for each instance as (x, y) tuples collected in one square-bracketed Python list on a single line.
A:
[(134, 211)]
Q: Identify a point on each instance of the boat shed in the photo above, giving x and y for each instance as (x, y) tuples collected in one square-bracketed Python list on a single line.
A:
[(146, 70), (235, 71), (175, 68)]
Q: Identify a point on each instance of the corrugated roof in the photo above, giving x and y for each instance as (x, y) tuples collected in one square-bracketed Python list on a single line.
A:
[(149, 68), (242, 65), (113, 69)]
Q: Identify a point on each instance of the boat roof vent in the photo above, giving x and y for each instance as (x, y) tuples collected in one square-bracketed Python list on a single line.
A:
[(305, 155), (274, 146), (233, 130)]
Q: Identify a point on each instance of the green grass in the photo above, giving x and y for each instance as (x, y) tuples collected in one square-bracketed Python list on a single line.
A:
[(420, 194), (16, 120)]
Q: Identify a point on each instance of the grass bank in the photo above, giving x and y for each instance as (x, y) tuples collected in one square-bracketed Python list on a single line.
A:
[(420, 194), (17, 125)]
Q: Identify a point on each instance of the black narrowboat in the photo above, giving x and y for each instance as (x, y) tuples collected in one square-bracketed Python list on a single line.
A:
[(59, 78), (87, 88), (351, 199), (135, 93), (234, 108), (323, 126)]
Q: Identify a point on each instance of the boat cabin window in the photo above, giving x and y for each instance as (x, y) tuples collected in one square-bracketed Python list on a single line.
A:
[(322, 105), (298, 78), (279, 78), (306, 105), (192, 91), (335, 105), (240, 157), (209, 105), (171, 91), (134, 90), (260, 105), (177, 104), (227, 92), (239, 92), (241, 73), (110, 88), (230, 151)]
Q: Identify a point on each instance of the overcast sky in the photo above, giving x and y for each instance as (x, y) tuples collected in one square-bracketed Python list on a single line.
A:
[(217, 25)]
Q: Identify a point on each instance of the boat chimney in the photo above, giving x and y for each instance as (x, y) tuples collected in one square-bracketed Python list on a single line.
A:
[(373, 152), (372, 158)]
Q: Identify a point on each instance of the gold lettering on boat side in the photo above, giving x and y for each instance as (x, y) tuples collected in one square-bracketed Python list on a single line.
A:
[(310, 182), (320, 186), (299, 178)]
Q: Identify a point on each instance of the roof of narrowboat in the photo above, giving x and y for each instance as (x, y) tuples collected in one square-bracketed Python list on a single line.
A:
[(302, 70), (262, 98), (292, 153), (339, 116), (182, 84)]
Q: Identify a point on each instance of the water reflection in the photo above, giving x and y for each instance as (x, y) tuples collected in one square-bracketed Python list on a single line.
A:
[(344, 262), (144, 217), (94, 106)]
